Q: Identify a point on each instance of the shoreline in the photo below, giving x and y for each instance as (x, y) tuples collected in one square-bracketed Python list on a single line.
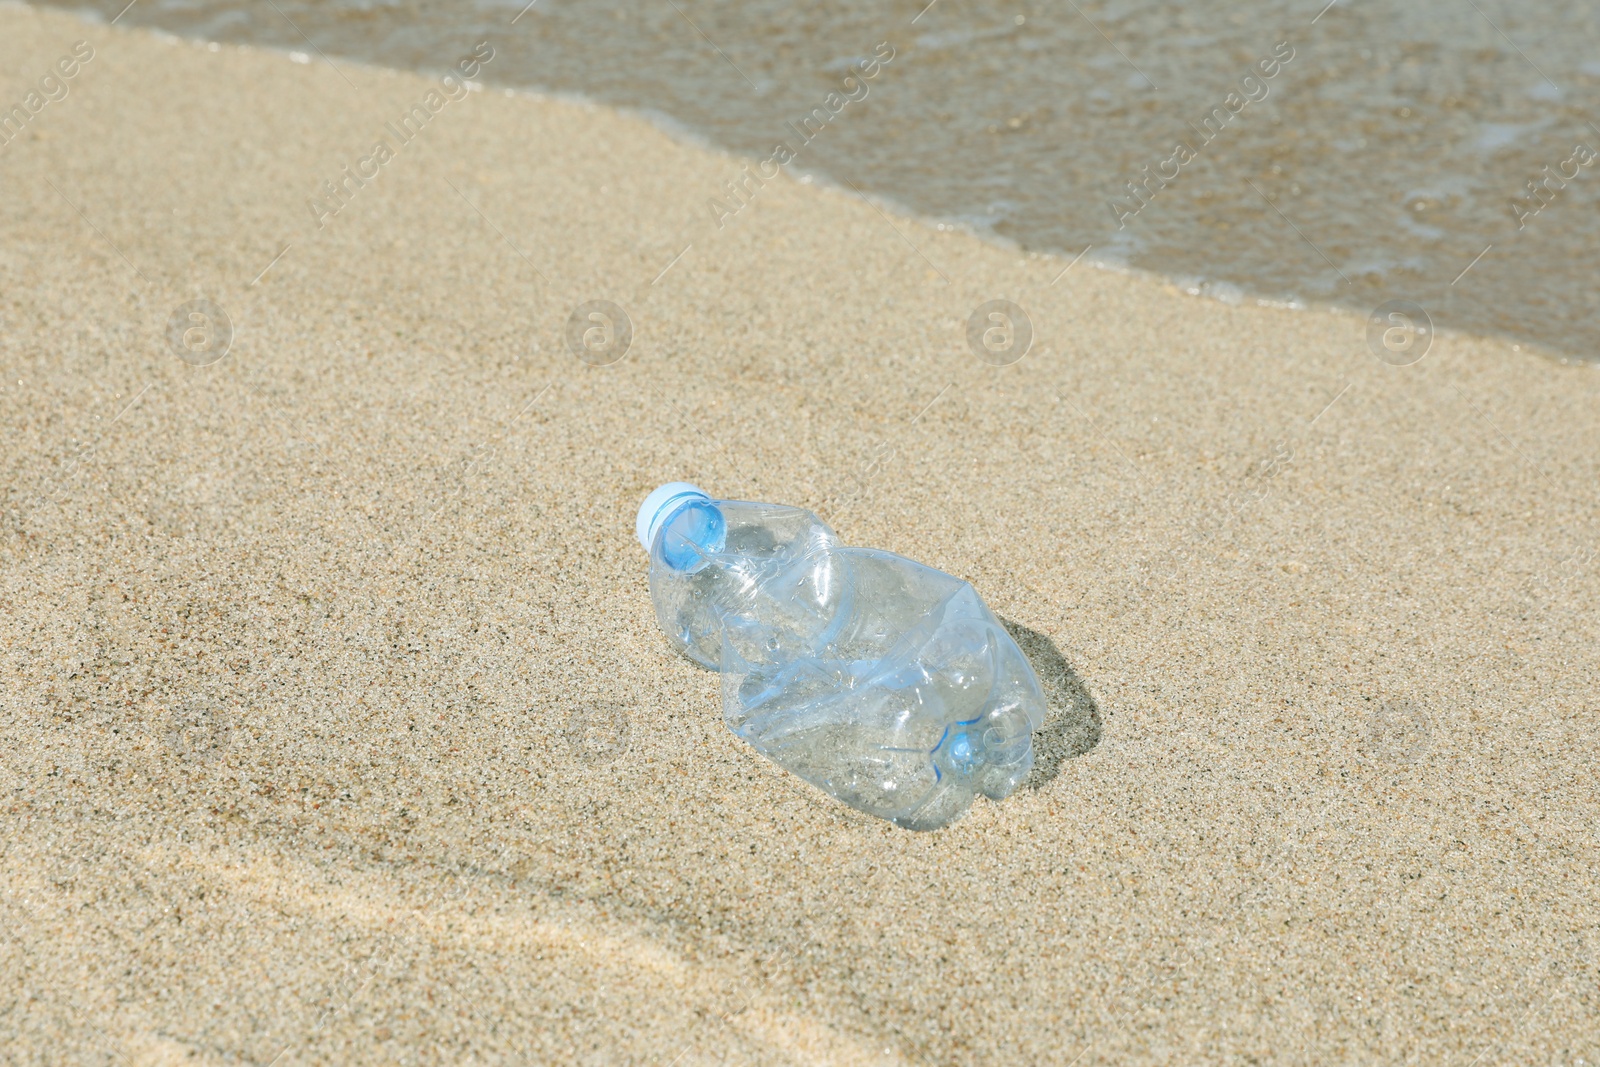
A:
[(1224, 292)]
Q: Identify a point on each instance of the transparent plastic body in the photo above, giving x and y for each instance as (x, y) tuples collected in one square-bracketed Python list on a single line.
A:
[(883, 682)]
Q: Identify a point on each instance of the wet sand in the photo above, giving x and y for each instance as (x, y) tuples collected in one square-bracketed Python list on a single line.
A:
[(337, 727)]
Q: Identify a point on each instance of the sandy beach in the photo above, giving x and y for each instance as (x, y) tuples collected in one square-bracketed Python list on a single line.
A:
[(338, 728)]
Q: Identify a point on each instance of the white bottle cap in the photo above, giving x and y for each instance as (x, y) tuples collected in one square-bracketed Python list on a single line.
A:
[(659, 506)]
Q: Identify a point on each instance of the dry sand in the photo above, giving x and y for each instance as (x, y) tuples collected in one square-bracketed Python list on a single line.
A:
[(338, 729)]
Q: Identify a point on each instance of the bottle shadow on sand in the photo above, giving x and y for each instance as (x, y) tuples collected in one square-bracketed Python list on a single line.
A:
[(1072, 725)]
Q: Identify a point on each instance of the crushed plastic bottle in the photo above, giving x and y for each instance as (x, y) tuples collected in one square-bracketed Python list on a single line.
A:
[(881, 681)]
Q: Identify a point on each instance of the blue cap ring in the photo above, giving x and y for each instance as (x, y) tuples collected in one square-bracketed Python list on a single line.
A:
[(660, 506)]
